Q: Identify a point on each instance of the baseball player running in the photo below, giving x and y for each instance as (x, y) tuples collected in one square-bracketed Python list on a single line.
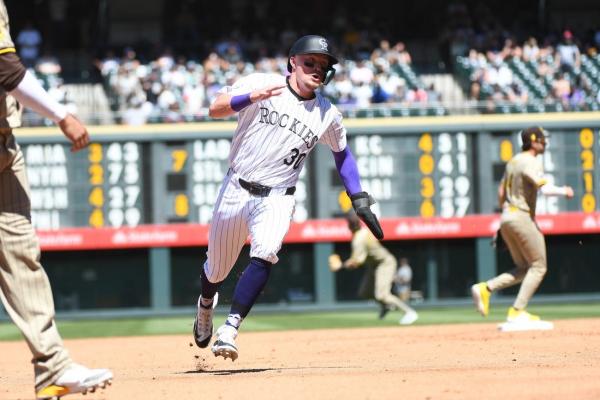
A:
[(25, 289), (368, 251), (517, 195), (280, 120)]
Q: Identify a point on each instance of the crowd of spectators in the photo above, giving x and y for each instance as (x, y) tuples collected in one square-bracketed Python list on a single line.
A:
[(45, 67), (503, 70), (173, 88), (520, 68), (177, 89), (553, 76), (47, 70)]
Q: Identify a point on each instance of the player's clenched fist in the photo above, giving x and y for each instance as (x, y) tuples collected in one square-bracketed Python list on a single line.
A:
[(335, 263), (266, 92)]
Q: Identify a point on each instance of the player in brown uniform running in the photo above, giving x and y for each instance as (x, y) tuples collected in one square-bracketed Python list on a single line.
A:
[(25, 289), (368, 251), (517, 195)]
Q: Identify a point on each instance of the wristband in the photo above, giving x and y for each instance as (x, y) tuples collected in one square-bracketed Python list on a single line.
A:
[(238, 103)]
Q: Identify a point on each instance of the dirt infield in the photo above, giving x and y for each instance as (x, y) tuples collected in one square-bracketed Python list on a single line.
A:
[(420, 362)]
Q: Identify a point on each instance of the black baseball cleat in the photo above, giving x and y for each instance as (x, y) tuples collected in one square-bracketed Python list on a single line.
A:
[(383, 311), (203, 325)]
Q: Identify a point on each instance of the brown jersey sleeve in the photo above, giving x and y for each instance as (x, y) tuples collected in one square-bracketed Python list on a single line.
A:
[(12, 71)]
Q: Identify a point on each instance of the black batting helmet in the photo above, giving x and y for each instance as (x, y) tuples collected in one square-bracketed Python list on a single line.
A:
[(314, 44), (532, 134)]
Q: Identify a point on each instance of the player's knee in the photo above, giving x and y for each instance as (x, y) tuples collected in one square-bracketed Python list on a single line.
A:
[(260, 262), (381, 296), (208, 287), (539, 267), (265, 256)]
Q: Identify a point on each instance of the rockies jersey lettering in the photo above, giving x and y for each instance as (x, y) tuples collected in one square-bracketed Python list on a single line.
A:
[(274, 136), (273, 118)]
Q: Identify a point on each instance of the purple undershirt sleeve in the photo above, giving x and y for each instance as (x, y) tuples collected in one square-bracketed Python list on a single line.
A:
[(348, 170)]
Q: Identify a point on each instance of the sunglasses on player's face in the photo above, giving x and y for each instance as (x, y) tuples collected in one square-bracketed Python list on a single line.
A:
[(312, 64)]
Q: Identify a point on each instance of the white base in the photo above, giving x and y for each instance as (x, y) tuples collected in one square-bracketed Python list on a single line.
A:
[(525, 326)]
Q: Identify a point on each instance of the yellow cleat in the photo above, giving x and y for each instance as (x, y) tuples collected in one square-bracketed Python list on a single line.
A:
[(515, 315), (481, 298), (52, 391), (76, 379)]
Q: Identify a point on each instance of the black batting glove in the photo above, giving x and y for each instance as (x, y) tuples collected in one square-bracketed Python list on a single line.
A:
[(362, 202)]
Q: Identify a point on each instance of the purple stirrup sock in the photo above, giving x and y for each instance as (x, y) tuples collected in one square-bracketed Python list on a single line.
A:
[(238, 103), (249, 286), (348, 170)]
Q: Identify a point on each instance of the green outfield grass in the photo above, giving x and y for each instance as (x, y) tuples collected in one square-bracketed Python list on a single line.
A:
[(300, 320)]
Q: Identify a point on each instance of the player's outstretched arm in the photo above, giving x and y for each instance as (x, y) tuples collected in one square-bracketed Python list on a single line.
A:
[(336, 263), (226, 105), (361, 201), (24, 87), (552, 190), (32, 95)]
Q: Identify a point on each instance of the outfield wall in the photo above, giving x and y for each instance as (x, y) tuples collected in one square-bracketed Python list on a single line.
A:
[(123, 225)]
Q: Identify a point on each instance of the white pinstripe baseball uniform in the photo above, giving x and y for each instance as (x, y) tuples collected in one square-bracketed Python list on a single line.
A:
[(269, 147)]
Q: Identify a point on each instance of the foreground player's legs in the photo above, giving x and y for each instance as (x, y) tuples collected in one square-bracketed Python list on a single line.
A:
[(26, 292), (268, 224), (25, 289)]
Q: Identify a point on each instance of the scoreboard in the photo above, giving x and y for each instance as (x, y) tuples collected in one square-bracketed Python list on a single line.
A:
[(191, 172), (416, 174), (139, 202), (99, 187), (571, 158), (439, 167)]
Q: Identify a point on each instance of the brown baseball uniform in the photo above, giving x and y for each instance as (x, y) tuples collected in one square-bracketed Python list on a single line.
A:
[(522, 179), (25, 289), (6, 43), (369, 252), (517, 194), (24, 286)]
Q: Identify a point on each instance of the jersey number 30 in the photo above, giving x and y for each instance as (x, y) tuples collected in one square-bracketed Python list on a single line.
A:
[(295, 158)]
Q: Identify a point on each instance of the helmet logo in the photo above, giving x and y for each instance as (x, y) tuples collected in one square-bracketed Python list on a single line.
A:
[(323, 43)]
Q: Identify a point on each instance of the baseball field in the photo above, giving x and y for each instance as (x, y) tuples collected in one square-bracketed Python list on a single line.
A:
[(450, 353)]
